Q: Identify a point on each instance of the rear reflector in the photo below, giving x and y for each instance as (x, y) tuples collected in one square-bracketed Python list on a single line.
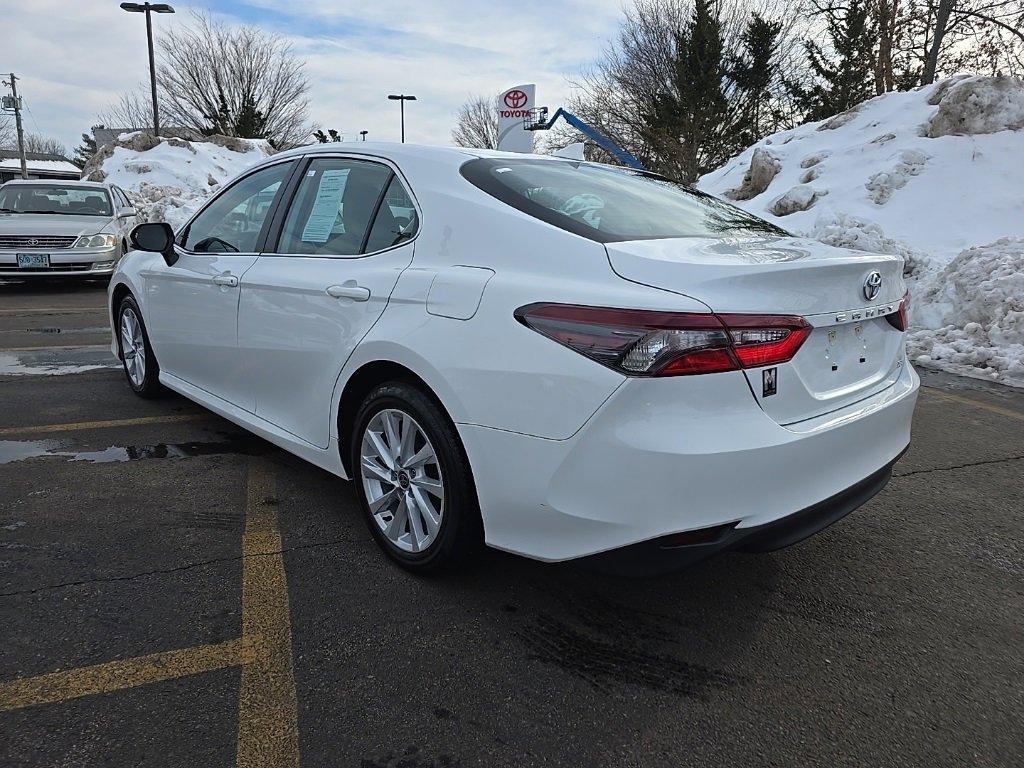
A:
[(640, 342)]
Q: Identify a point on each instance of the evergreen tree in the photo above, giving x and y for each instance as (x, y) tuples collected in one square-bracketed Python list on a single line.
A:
[(326, 138), (845, 79), (250, 122), (753, 70), (84, 151), (686, 118)]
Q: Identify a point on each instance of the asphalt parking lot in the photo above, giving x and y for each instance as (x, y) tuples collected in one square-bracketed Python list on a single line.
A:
[(176, 593)]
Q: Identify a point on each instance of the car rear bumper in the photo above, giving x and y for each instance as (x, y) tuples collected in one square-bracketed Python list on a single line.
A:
[(668, 456), (669, 553)]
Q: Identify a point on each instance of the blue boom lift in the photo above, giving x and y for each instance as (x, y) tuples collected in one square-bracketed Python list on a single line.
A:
[(540, 122)]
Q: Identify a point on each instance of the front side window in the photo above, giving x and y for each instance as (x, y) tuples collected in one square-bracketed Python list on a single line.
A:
[(54, 198), (609, 204), (333, 207), (233, 221)]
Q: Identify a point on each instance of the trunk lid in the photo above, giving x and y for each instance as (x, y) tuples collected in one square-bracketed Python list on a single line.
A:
[(853, 351)]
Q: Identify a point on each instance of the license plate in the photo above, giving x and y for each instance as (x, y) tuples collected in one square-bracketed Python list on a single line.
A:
[(34, 260)]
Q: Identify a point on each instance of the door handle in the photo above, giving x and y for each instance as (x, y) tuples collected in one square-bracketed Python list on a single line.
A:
[(229, 280), (350, 290)]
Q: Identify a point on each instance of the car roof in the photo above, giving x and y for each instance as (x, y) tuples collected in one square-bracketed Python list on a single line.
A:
[(59, 183), (398, 152)]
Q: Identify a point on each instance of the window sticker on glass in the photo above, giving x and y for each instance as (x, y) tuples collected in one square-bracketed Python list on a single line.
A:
[(325, 217)]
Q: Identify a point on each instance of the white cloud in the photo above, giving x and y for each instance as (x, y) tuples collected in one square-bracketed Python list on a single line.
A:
[(76, 59)]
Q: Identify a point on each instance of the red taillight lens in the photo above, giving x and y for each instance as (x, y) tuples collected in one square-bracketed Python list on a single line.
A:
[(640, 342), (900, 318)]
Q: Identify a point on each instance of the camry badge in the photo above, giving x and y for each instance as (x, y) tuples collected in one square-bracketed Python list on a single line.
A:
[(872, 285)]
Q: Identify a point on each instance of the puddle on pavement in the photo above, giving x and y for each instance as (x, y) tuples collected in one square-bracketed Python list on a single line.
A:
[(240, 444), (56, 361)]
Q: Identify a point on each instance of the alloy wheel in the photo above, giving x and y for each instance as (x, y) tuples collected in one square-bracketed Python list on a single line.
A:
[(401, 478), (133, 347)]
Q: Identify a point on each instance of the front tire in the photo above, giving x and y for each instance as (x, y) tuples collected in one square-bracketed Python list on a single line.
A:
[(137, 359), (413, 480)]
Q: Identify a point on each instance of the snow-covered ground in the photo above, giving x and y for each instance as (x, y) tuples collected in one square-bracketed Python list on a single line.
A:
[(935, 175), (171, 178)]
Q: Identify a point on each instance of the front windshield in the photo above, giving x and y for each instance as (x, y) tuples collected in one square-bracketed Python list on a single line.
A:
[(610, 204), (54, 198)]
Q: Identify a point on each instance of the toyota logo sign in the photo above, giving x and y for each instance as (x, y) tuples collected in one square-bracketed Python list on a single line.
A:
[(872, 285), (515, 99), (33, 242)]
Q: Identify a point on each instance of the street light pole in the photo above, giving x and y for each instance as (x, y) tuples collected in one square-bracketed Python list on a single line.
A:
[(363, 134), (401, 99), (148, 8)]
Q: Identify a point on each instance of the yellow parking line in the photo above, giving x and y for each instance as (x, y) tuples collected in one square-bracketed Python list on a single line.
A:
[(125, 673), (108, 423), (268, 730), (943, 395)]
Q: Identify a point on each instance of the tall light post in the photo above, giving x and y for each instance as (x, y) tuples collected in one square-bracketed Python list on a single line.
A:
[(401, 99), (363, 134), (148, 8)]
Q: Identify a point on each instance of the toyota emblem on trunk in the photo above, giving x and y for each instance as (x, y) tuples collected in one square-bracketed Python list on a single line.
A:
[(872, 285)]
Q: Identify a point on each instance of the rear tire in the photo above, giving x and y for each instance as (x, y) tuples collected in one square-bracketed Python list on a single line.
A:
[(413, 480), (137, 359)]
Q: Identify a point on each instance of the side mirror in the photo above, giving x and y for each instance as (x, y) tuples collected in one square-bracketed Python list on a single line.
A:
[(127, 212), (156, 237)]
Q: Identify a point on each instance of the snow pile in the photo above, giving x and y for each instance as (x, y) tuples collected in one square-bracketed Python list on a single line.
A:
[(934, 175), (972, 313), (169, 178)]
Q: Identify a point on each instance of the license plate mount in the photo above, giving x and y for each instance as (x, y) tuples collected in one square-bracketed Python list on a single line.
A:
[(33, 261)]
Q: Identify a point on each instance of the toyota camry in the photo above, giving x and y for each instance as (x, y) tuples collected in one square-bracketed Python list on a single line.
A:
[(560, 359)]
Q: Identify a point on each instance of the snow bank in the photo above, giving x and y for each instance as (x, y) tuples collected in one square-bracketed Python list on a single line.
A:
[(168, 178), (934, 175)]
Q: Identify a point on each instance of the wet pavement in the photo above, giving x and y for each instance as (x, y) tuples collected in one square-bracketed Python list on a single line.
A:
[(892, 638)]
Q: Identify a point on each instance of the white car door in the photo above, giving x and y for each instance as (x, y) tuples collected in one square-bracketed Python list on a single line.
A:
[(308, 301), (193, 304)]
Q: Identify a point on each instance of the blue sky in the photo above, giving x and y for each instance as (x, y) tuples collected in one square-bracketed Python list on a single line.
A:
[(75, 57)]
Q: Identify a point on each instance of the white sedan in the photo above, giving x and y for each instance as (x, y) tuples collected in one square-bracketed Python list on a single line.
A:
[(561, 359)]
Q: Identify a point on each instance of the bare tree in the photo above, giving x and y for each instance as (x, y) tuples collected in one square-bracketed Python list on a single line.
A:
[(477, 123), (45, 145), (947, 24), (8, 137), (214, 78)]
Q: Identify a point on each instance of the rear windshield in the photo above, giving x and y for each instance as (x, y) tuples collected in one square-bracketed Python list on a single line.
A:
[(609, 204)]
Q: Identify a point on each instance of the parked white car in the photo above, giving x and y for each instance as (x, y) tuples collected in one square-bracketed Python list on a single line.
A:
[(62, 228), (564, 359)]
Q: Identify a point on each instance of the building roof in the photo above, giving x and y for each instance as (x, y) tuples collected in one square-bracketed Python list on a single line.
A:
[(48, 166), (12, 154)]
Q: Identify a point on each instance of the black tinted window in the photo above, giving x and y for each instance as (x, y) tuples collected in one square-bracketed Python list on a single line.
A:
[(333, 207), (232, 222), (610, 204), (396, 220)]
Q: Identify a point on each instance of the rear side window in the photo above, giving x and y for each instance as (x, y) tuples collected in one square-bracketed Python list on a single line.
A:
[(609, 204), (333, 207), (396, 220), (233, 221)]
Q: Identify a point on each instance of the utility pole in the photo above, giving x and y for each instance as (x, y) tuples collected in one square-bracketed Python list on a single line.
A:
[(17, 123)]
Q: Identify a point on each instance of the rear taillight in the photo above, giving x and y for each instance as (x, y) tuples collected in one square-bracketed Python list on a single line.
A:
[(899, 318), (640, 342)]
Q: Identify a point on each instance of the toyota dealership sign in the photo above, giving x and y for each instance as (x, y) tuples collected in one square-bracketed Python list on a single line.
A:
[(514, 107)]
